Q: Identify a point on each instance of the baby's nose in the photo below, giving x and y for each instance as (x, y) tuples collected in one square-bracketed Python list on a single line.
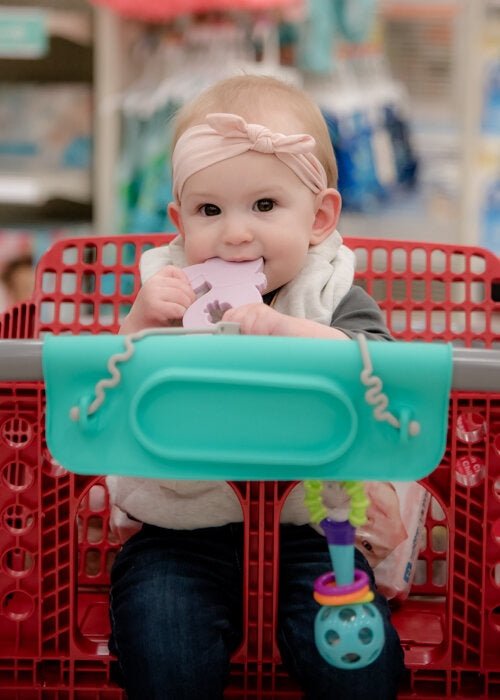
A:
[(237, 233)]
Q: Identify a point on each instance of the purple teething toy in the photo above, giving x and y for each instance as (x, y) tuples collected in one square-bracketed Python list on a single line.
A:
[(222, 285)]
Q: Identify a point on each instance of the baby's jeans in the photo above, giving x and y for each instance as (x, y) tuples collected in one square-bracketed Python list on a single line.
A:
[(176, 611)]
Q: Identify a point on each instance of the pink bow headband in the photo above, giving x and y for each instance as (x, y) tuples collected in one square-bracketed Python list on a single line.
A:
[(225, 136)]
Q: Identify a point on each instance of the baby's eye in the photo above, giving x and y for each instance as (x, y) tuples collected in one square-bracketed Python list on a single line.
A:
[(264, 204), (210, 209)]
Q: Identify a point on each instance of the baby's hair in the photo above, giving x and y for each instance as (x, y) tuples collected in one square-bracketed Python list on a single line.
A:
[(261, 99)]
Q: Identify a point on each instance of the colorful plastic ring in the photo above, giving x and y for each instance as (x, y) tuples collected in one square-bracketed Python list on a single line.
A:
[(356, 597), (336, 602), (325, 585)]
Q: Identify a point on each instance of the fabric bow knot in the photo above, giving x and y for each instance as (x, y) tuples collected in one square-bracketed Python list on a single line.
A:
[(260, 137)]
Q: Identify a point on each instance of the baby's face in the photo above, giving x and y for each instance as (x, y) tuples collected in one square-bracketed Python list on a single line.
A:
[(248, 207)]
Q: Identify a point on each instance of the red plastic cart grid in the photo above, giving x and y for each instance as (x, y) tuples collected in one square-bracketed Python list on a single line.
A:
[(56, 549)]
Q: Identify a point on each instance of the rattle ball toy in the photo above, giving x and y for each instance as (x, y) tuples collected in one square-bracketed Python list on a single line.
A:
[(348, 629), (221, 285), (349, 636)]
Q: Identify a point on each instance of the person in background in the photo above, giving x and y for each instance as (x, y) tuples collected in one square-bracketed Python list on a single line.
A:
[(254, 176), (18, 279)]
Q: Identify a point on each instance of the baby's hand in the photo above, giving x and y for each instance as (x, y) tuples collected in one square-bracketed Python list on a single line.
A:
[(260, 319), (161, 301)]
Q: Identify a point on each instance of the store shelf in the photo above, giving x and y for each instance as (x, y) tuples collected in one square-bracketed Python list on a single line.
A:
[(49, 187), (73, 26), (37, 189)]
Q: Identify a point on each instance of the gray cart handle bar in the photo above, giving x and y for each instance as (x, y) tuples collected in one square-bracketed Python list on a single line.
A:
[(474, 369)]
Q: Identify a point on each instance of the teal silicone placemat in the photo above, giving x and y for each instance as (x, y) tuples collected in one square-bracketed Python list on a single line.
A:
[(245, 407)]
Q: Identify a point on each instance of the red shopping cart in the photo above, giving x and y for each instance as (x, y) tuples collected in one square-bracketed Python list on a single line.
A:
[(56, 549)]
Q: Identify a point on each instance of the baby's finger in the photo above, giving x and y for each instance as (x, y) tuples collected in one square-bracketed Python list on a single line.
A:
[(178, 295), (237, 314), (247, 316), (165, 287), (163, 312), (173, 311), (172, 271)]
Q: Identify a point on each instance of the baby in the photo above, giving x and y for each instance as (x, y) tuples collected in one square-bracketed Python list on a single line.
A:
[(254, 177)]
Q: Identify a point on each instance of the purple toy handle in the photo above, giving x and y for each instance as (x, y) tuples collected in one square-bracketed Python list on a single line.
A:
[(338, 532), (222, 285)]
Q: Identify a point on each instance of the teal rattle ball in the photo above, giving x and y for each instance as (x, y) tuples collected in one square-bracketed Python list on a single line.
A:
[(349, 636)]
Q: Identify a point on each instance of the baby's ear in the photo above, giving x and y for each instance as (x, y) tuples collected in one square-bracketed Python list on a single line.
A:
[(174, 213), (328, 205)]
